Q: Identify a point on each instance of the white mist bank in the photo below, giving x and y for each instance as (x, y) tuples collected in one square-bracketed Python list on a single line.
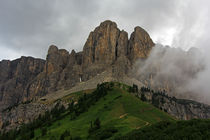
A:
[(184, 74)]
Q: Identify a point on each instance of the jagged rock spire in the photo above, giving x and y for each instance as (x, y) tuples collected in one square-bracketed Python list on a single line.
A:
[(106, 43), (140, 44), (52, 49), (100, 46)]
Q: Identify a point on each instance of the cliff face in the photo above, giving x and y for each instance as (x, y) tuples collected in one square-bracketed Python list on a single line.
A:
[(101, 45), (61, 70), (15, 77), (179, 108), (107, 47), (107, 54), (140, 44), (107, 43)]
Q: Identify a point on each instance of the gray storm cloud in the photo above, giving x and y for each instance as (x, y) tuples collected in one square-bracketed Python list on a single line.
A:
[(28, 27)]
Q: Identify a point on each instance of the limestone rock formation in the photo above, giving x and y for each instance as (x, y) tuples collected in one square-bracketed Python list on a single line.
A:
[(106, 48), (61, 70), (179, 108), (140, 44), (107, 55), (101, 44), (15, 78), (122, 44)]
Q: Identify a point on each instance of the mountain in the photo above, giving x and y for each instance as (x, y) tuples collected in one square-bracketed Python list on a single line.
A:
[(15, 77), (106, 48), (118, 111), (111, 111), (29, 87)]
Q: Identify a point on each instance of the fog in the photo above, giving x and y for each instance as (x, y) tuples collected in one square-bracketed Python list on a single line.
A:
[(184, 74)]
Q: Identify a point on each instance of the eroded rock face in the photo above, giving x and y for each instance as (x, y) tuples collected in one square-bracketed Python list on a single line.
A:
[(23, 113), (62, 70), (140, 44), (104, 46), (179, 108), (56, 62), (107, 47), (56, 59), (15, 78), (107, 51), (122, 45), (101, 44)]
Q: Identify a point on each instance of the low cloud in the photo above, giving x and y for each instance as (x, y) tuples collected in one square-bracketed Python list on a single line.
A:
[(183, 74)]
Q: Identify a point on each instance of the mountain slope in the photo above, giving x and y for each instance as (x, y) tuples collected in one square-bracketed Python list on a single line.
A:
[(118, 109), (29, 87), (191, 130)]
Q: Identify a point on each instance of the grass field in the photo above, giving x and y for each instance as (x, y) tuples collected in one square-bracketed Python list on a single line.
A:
[(118, 108)]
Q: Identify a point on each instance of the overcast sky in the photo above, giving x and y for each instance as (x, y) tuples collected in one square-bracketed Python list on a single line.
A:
[(28, 27)]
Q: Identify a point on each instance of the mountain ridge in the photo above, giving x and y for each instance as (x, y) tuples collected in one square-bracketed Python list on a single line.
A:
[(105, 47), (108, 55)]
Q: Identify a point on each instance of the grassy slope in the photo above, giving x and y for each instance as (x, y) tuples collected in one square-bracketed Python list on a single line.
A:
[(195, 129), (118, 108)]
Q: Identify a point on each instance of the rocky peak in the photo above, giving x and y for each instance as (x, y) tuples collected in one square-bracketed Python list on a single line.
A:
[(56, 59), (107, 23), (140, 44), (106, 43), (100, 46), (107, 47), (73, 52), (52, 49)]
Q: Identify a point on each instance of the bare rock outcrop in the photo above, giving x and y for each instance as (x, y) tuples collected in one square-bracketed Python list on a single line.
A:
[(62, 70), (140, 44), (107, 55), (101, 44), (122, 45), (107, 47), (179, 108), (15, 78)]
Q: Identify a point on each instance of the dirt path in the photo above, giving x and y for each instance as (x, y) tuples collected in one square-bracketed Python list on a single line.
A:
[(146, 123), (122, 116)]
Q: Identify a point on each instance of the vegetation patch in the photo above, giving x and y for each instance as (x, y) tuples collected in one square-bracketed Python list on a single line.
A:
[(167, 130), (93, 115)]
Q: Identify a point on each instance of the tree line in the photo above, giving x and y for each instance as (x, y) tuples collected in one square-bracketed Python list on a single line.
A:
[(26, 131)]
